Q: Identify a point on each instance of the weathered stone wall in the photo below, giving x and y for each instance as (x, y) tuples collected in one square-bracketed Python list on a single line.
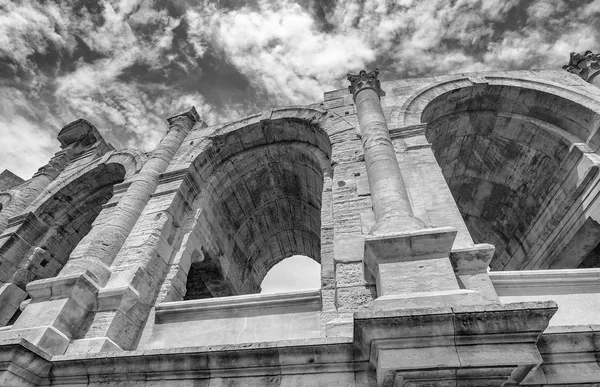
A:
[(9, 180)]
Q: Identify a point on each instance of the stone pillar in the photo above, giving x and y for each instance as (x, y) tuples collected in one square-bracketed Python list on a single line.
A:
[(60, 306), (126, 300), (94, 253), (587, 66), (391, 204), (408, 262)]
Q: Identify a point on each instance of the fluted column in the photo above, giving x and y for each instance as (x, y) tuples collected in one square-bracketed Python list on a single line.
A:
[(393, 212), (587, 66)]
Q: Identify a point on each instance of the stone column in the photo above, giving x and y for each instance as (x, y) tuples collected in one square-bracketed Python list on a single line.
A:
[(408, 262), (126, 300), (587, 66), (391, 204), (94, 252)]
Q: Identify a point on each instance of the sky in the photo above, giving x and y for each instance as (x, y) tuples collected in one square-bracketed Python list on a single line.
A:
[(125, 65)]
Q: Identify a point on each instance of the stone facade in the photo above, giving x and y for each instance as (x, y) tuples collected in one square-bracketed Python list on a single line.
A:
[(124, 268)]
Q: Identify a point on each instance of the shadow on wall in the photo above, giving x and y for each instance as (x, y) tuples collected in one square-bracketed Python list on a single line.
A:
[(517, 163)]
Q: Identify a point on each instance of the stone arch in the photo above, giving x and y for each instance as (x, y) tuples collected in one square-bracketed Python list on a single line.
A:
[(518, 157), (37, 243), (260, 202), (130, 160), (61, 221)]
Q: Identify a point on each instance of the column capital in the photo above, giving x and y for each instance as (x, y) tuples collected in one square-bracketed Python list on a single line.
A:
[(587, 66), (189, 112), (364, 80)]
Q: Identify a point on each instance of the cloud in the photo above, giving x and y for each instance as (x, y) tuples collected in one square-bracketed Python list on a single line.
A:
[(280, 49), (22, 134), (125, 65)]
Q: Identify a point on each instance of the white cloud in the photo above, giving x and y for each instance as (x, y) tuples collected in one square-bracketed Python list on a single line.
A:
[(23, 136), (280, 49), (278, 46)]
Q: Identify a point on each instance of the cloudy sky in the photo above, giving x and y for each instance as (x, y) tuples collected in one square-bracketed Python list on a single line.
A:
[(124, 65)]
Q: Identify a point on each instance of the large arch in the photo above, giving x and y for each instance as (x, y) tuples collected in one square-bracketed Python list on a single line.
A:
[(261, 201), (37, 243), (518, 158)]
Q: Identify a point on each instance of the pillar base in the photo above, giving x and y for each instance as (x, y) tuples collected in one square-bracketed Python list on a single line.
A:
[(58, 308), (413, 269)]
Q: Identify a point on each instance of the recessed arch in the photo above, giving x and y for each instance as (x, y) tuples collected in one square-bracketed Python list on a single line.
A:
[(516, 155), (261, 201), (61, 221)]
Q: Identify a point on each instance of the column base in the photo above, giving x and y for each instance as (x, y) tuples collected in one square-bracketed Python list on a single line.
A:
[(59, 307)]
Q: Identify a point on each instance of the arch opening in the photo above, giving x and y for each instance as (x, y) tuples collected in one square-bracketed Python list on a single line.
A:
[(509, 158), (261, 205), (67, 216), (294, 273)]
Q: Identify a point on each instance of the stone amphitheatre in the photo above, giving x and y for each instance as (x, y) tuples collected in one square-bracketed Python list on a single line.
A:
[(455, 218)]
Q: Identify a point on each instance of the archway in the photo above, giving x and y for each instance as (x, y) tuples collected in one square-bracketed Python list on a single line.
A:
[(261, 204), (68, 216), (516, 162), (39, 243)]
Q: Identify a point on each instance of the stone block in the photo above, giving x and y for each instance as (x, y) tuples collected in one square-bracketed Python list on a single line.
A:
[(355, 298), (348, 248), (11, 297), (349, 274)]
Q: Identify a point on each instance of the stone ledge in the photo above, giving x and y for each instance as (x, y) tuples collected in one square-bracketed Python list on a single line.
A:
[(570, 355), (22, 363), (561, 281), (472, 260), (222, 307), (290, 357), (433, 344)]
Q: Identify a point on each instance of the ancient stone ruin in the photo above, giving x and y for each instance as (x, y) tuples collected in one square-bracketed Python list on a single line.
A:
[(456, 220)]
